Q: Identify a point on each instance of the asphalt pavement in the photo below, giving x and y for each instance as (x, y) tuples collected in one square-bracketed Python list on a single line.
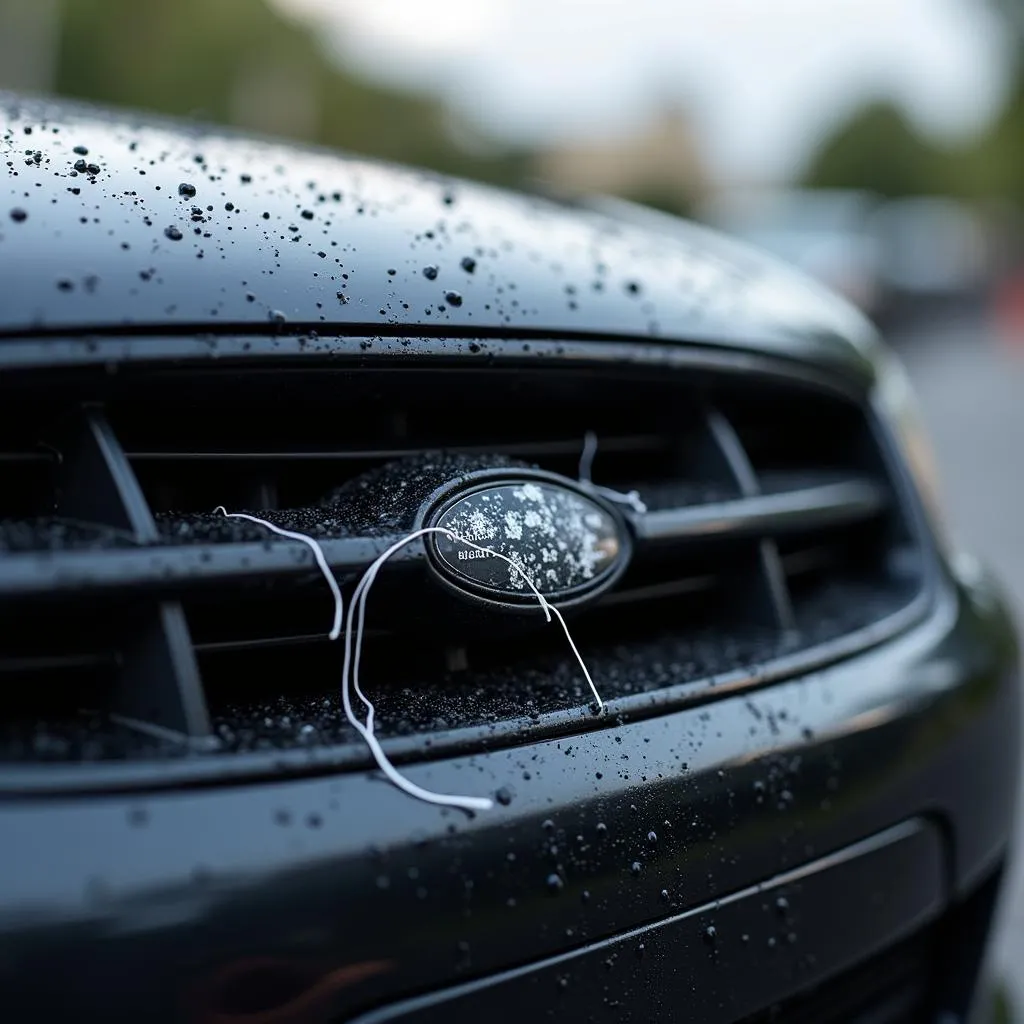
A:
[(971, 386)]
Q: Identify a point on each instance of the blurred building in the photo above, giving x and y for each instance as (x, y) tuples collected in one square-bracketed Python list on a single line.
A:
[(28, 44), (660, 163)]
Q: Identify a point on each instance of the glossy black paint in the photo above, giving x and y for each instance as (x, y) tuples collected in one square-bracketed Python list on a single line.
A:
[(882, 890), (278, 239)]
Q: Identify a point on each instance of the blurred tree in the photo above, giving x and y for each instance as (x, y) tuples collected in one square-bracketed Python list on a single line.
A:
[(993, 166), (1011, 13), (878, 149), (241, 62)]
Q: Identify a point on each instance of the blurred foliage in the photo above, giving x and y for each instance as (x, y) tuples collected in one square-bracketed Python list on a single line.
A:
[(241, 62), (995, 166), (878, 149)]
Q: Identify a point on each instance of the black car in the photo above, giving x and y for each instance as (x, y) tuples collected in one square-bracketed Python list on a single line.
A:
[(766, 771)]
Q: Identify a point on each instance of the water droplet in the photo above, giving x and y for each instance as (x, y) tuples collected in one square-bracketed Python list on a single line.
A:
[(652, 836), (276, 316), (782, 905), (81, 150), (430, 273), (468, 264), (173, 233), (307, 214), (186, 189), (548, 825), (636, 867), (664, 895), (555, 884), (504, 796), (80, 166), (138, 817), (633, 287), (18, 215), (454, 298), (711, 934)]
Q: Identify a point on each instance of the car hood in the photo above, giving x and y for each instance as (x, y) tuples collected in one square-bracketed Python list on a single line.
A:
[(112, 220)]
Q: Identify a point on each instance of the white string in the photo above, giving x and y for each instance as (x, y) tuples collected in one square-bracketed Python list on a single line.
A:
[(350, 665), (631, 498), (318, 554)]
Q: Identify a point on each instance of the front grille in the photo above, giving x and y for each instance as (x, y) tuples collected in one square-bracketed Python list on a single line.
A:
[(139, 625)]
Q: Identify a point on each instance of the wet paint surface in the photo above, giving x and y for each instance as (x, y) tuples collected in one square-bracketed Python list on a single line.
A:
[(164, 224)]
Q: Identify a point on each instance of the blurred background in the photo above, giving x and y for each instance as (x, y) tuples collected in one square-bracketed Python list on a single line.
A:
[(878, 144)]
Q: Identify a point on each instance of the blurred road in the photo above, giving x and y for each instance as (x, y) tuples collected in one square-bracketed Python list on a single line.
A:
[(971, 387)]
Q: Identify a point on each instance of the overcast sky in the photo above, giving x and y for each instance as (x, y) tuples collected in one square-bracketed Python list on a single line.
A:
[(761, 78)]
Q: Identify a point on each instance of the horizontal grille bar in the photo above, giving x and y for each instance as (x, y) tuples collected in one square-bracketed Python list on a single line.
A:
[(523, 449), (173, 568), (809, 508)]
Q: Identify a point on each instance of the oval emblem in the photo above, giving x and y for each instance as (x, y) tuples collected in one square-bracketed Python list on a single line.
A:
[(566, 543)]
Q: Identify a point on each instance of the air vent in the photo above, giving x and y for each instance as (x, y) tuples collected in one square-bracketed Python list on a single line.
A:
[(140, 625)]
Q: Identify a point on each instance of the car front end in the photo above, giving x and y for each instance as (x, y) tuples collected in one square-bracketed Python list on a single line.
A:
[(769, 769)]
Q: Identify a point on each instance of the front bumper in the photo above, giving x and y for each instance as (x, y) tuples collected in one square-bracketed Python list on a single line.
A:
[(715, 860)]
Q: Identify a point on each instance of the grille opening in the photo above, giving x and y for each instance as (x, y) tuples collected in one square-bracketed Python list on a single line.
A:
[(844, 580), (27, 489), (290, 694), (807, 431), (57, 677), (61, 684), (27, 482), (55, 720), (297, 440)]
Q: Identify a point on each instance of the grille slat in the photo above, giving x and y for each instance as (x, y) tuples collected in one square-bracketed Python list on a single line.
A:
[(809, 508), (166, 568), (766, 596), (520, 449), (759, 545)]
